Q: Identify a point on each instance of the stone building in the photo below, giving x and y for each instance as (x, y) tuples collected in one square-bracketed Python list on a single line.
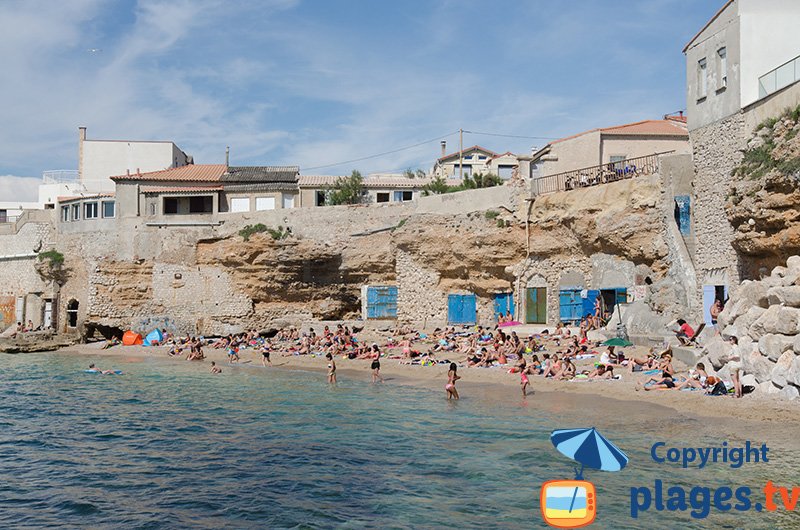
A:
[(740, 69), (475, 159)]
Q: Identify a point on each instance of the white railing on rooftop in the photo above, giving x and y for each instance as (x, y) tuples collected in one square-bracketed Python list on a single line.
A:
[(60, 176), (776, 79)]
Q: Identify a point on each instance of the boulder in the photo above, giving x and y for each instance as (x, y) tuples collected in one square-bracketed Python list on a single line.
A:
[(743, 323), (749, 379), (758, 365), (724, 373), (733, 310), (796, 345), (774, 345), (793, 372), (789, 392), (768, 388), (785, 295), (792, 278), (715, 351), (754, 294), (782, 369), (779, 272), (777, 320), (793, 263)]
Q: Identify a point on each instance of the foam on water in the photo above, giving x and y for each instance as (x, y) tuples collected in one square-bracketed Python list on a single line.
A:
[(169, 445)]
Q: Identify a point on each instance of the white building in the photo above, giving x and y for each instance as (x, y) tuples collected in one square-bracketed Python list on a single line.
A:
[(749, 50)]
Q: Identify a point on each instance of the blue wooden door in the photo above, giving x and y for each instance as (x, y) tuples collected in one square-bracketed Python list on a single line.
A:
[(683, 214), (570, 305), (503, 303), (589, 301), (382, 302), (536, 305), (461, 308)]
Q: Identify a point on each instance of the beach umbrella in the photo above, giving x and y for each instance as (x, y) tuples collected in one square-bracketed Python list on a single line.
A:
[(616, 341), (589, 448)]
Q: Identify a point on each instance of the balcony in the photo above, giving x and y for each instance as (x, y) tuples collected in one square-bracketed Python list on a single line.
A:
[(780, 77), (60, 176), (600, 174)]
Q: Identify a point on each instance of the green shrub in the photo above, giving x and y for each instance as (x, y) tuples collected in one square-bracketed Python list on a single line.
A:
[(491, 214), (55, 257), (249, 230)]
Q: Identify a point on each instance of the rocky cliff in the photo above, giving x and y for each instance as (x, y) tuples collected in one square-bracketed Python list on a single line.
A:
[(764, 201)]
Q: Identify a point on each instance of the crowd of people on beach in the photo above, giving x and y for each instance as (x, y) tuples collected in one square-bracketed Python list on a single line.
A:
[(560, 354)]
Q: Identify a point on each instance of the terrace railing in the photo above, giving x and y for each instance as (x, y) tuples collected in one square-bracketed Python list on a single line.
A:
[(59, 176), (600, 174)]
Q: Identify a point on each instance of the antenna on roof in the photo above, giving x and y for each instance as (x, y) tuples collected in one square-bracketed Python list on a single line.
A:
[(227, 155)]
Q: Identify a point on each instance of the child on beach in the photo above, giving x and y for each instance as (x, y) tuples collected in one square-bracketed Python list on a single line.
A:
[(233, 354), (331, 369), (215, 369), (452, 377)]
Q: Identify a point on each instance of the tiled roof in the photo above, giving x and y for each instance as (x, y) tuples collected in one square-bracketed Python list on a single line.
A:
[(650, 128), (179, 189), (468, 150), (321, 181), (189, 173), (260, 186), (501, 155), (261, 174), (90, 196)]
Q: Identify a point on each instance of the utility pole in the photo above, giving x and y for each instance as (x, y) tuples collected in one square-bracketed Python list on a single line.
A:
[(461, 154)]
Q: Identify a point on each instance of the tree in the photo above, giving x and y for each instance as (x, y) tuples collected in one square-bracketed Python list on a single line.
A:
[(347, 190), (414, 174), (436, 186), (481, 180)]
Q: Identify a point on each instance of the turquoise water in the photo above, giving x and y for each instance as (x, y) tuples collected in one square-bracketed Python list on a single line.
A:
[(168, 445)]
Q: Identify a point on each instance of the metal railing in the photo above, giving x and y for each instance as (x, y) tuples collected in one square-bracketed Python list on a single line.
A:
[(600, 174), (779, 77), (59, 176)]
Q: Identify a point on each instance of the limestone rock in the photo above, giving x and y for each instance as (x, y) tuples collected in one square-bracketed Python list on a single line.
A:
[(779, 272), (753, 294), (789, 296), (733, 310), (716, 351), (793, 372), (758, 365), (792, 278), (776, 319), (793, 263), (796, 345), (782, 369), (774, 345), (724, 373), (744, 322), (749, 379), (790, 392)]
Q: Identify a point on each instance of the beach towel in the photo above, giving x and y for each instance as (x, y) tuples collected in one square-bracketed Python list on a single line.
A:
[(507, 324)]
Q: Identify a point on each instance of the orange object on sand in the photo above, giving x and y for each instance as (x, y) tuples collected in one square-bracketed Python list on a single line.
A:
[(131, 338)]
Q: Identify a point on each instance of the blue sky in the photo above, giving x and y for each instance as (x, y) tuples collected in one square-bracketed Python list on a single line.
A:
[(317, 82)]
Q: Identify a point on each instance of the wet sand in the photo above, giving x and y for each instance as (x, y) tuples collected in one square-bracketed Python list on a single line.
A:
[(613, 404)]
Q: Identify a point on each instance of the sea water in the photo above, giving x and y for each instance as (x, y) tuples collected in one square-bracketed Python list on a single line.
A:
[(169, 445)]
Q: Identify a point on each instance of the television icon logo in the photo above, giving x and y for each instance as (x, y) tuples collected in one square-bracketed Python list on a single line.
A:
[(568, 503)]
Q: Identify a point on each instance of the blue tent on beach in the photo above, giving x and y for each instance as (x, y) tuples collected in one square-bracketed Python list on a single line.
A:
[(153, 336)]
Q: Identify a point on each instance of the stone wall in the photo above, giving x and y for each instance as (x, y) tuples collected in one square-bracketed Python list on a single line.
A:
[(717, 151)]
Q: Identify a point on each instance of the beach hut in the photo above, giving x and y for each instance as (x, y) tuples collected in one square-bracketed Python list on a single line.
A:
[(154, 336), (131, 338)]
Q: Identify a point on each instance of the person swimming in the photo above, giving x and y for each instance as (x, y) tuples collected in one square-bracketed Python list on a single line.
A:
[(215, 369), (94, 369)]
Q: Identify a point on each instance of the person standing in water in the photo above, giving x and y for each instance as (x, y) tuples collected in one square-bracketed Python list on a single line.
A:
[(452, 377), (376, 364), (522, 366), (331, 369)]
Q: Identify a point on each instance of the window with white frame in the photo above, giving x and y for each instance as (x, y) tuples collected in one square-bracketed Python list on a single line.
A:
[(65, 214), (722, 68), (90, 210), (75, 212), (265, 203), (288, 200), (109, 209), (702, 79), (403, 196), (240, 204)]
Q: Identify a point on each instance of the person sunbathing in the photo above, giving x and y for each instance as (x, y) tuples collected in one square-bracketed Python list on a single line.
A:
[(637, 364), (554, 367), (567, 371), (697, 378), (665, 365), (602, 372), (665, 382)]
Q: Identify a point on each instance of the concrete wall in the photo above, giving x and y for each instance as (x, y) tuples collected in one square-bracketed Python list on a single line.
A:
[(632, 146), (718, 102), (770, 107), (769, 38), (106, 158), (573, 153)]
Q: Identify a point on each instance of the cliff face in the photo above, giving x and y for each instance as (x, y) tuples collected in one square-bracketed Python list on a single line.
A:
[(764, 201)]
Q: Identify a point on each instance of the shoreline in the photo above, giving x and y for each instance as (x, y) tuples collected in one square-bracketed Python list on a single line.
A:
[(614, 402)]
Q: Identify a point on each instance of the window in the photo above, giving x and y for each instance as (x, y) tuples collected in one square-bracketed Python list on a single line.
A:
[(240, 204), (3, 216), (383, 197), (170, 205), (722, 68), (288, 200), (481, 157), (457, 170), (265, 203), (505, 172), (90, 210), (402, 196), (320, 198), (76, 212), (702, 79), (200, 205), (109, 209), (151, 208), (65, 214)]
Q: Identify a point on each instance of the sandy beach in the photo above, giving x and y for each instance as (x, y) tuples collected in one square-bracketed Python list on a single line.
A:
[(613, 403)]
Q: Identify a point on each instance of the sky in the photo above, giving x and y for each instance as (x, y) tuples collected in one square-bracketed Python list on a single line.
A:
[(323, 83)]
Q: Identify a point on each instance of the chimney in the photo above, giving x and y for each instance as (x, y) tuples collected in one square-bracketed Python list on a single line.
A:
[(81, 139), (227, 155), (444, 147)]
